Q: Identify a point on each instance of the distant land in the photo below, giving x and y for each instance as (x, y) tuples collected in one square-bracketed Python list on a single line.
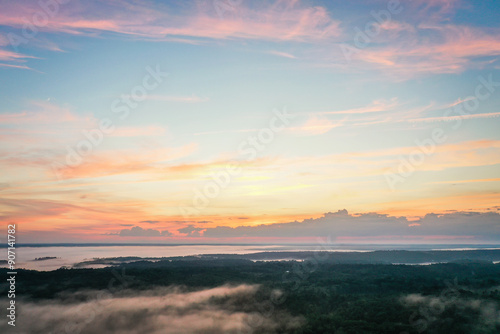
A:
[(374, 257), (333, 246)]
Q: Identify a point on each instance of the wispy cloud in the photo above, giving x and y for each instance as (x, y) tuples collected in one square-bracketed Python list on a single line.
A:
[(481, 226), (42, 112), (132, 161), (421, 40), (375, 106), (453, 118), (467, 181), (195, 23), (451, 49), (282, 54), (23, 67), (6, 55), (425, 38), (314, 126), (10, 58), (278, 20)]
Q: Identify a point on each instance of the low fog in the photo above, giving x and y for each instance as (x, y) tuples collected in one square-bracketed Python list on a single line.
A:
[(432, 312), (169, 310)]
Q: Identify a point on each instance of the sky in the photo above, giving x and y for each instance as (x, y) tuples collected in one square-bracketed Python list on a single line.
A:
[(228, 121)]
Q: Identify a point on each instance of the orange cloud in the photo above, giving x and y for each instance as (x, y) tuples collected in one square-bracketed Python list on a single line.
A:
[(40, 112), (420, 206), (314, 126), (106, 163)]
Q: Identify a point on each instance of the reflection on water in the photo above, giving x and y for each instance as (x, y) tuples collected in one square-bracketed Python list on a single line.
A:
[(68, 256)]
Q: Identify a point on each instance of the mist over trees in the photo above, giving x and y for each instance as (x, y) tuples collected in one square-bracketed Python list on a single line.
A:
[(236, 295)]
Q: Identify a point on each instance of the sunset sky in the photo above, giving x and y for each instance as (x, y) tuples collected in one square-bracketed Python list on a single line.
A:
[(199, 121)]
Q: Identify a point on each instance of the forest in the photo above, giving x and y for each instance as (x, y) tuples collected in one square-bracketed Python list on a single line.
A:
[(315, 295)]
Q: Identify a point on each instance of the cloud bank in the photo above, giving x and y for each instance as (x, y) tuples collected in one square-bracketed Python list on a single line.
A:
[(470, 225), (341, 226), (138, 231)]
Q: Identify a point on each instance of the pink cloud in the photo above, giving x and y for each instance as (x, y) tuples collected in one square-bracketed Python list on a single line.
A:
[(24, 67), (282, 54), (280, 20), (6, 55), (276, 21), (452, 50), (13, 59), (423, 39), (414, 42)]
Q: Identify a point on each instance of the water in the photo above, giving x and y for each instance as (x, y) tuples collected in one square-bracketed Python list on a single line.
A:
[(70, 255)]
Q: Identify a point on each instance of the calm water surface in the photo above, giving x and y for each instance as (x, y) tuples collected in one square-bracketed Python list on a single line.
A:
[(70, 255)]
